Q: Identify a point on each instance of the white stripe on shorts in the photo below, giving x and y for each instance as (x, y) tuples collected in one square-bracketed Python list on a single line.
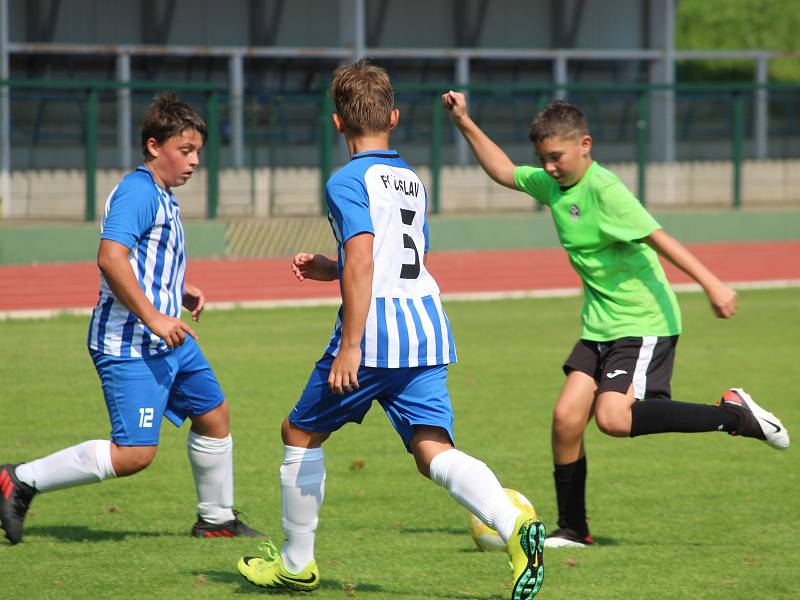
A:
[(642, 364)]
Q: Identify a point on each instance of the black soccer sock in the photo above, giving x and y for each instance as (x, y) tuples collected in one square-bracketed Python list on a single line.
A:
[(571, 495), (665, 416)]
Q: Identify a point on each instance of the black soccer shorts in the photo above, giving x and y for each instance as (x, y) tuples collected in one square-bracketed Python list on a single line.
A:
[(644, 362)]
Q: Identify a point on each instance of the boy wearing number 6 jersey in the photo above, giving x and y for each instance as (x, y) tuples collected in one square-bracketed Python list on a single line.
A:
[(392, 343)]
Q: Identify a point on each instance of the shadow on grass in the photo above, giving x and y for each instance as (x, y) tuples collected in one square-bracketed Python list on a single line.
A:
[(232, 577), (81, 533), (601, 541), (473, 549), (605, 541), (598, 541), (662, 542), (437, 530)]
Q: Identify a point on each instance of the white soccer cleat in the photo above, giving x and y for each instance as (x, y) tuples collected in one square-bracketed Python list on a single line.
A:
[(755, 421), (567, 538)]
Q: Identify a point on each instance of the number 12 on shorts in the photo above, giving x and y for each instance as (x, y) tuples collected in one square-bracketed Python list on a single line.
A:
[(145, 417)]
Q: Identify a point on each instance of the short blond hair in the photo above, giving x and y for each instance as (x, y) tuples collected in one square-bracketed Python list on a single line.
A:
[(363, 96)]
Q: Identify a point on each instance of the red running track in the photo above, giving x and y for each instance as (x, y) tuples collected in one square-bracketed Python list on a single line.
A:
[(75, 285)]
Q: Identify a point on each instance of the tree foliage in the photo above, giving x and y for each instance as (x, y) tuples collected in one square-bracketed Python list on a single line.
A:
[(738, 25)]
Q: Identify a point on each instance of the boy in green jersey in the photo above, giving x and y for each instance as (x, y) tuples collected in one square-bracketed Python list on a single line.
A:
[(630, 319)]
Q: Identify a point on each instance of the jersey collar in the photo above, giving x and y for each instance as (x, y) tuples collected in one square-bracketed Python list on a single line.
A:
[(376, 154), (144, 169), (581, 182)]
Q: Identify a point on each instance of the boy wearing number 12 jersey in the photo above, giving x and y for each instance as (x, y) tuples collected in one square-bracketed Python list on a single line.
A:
[(149, 365), (392, 343)]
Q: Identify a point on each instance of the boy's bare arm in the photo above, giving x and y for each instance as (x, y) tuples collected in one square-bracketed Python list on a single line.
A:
[(314, 266), (356, 299), (721, 297), (194, 300), (494, 161), (112, 259)]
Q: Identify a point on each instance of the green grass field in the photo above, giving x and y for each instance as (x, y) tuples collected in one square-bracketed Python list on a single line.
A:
[(675, 516)]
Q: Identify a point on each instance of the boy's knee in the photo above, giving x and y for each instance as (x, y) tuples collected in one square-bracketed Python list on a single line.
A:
[(613, 413), (614, 423), (215, 423), (426, 443), (566, 422), (423, 466), (128, 460), (292, 435), (423, 461)]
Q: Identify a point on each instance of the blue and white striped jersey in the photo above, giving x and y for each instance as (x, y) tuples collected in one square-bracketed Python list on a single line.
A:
[(141, 216), (378, 193)]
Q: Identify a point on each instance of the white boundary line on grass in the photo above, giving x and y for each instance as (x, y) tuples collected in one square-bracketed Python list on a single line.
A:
[(49, 313)]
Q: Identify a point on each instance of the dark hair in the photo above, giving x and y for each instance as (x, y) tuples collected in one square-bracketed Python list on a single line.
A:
[(559, 119), (166, 117), (363, 96)]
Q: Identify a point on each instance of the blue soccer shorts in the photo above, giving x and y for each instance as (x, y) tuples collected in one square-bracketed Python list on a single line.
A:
[(410, 396), (139, 392)]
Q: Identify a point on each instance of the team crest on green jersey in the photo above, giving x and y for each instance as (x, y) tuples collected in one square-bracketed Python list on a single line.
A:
[(574, 212)]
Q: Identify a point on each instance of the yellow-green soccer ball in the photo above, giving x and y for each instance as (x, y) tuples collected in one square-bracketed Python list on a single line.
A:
[(486, 538)]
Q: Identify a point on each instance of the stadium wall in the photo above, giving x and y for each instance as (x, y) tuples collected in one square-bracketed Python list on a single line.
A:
[(251, 238), (295, 191)]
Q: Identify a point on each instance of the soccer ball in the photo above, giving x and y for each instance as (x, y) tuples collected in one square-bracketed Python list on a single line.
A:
[(486, 538)]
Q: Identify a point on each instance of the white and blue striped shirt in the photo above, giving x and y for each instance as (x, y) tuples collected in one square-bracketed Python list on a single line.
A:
[(145, 218), (378, 193)]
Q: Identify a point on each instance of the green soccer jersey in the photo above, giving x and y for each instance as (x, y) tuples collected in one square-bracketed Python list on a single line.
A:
[(600, 225)]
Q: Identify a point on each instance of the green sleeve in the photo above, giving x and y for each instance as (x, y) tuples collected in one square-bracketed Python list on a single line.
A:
[(534, 182), (622, 217)]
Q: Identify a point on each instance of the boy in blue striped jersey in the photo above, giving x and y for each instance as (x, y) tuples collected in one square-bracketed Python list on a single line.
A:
[(147, 359), (392, 343)]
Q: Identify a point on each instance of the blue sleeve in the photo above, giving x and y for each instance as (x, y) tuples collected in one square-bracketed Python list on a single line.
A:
[(131, 212), (349, 205)]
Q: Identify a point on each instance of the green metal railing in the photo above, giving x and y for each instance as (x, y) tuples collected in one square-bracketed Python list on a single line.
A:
[(216, 94), (92, 90), (740, 92), (212, 155), (738, 142), (326, 146), (642, 137), (91, 155), (436, 154)]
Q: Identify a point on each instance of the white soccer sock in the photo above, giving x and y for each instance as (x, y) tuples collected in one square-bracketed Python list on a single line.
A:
[(212, 465), (88, 462), (302, 491), (475, 487)]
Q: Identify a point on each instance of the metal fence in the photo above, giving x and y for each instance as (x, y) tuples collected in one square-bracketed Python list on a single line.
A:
[(75, 125)]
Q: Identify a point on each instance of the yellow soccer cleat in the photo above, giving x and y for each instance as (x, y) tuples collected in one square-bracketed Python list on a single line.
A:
[(268, 571), (525, 550)]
